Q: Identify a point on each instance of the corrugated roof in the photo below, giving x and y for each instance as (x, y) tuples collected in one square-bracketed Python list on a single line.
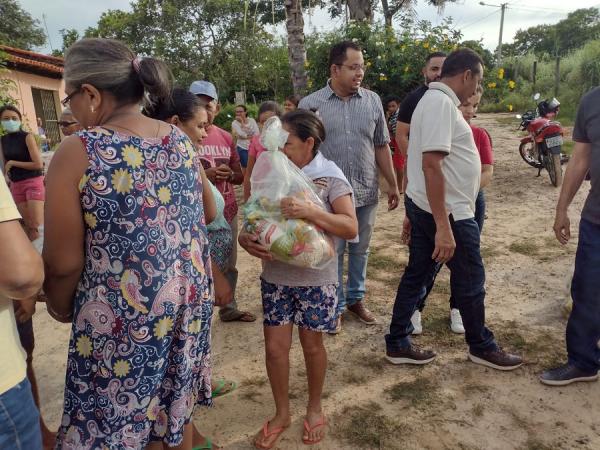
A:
[(28, 61)]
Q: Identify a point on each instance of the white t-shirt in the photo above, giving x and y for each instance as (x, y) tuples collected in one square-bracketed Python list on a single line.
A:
[(438, 125), (244, 132), (12, 356)]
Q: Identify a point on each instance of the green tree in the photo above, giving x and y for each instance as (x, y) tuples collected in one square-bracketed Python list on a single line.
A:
[(17, 27), (69, 37), (580, 27)]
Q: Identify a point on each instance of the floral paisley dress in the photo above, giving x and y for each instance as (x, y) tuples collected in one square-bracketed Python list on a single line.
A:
[(139, 354)]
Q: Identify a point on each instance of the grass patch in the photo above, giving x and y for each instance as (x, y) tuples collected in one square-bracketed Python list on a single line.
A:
[(489, 252), (441, 287), (254, 382), (378, 261), (355, 378), (478, 410), (373, 361), (475, 389), (535, 444), (364, 426), (419, 392), (527, 248), (567, 147)]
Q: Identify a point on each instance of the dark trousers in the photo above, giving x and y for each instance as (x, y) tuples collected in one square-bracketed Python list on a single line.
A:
[(479, 218), (467, 279), (583, 327)]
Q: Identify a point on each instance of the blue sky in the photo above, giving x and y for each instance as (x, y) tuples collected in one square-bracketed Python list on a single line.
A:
[(476, 21)]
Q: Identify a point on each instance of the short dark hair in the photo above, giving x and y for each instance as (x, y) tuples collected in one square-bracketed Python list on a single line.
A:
[(295, 99), (270, 106), (435, 55), (180, 103), (11, 108), (390, 98), (460, 61), (305, 124), (243, 107), (337, 54)]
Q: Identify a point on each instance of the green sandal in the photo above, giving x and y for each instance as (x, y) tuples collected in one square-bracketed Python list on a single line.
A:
[(208, 445), (223, 387)]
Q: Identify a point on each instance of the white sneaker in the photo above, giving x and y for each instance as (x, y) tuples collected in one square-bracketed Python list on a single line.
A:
[(456, 324), (416, 322)]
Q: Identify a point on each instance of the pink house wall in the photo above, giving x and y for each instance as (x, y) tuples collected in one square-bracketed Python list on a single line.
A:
[(22, 92)]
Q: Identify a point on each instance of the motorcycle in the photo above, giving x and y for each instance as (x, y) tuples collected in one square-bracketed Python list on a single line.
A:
[(541, 148)]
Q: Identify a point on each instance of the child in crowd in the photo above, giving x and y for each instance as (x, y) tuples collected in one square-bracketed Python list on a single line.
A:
[(486, 154), (302, 296), (265, 111), (291, 103)]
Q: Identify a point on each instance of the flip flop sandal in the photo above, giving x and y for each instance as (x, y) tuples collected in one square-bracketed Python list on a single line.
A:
[(223, 387), (208, 445), (242, 316), (266, 433), (308, 429)]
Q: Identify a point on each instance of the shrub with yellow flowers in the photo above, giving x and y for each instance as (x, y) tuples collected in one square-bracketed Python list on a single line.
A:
[(393, 60)]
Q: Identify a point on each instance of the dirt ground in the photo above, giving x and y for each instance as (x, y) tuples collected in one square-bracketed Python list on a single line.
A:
[(449, 404)]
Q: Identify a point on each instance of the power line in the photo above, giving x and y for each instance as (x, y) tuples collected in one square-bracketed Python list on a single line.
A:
[(479, 20)]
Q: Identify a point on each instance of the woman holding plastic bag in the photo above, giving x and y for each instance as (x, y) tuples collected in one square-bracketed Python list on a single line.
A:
[(298, 286)]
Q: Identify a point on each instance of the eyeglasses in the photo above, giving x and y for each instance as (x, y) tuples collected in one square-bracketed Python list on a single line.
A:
[(67, 99), (64, 124), (355, 67)]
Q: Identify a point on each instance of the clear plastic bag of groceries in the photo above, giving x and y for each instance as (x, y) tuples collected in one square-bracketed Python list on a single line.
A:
[(293, 241)]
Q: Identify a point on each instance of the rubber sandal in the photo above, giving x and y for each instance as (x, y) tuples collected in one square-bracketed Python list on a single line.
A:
[(221, 390), (266, 433), (308, 429), (242, 316), (208, 445)]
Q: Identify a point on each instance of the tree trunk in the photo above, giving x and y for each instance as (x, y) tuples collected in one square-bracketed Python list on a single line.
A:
[(294, 23), (361, 10), (387, 13)]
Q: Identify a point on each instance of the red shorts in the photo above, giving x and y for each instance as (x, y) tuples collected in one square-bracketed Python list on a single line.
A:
[(29, 189), (399, 160)]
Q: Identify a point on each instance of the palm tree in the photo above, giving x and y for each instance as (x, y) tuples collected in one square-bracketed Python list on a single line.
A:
[(294, 24)]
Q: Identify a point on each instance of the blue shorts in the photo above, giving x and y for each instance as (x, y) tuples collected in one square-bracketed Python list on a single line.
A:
[(243, 152), (310, 307)]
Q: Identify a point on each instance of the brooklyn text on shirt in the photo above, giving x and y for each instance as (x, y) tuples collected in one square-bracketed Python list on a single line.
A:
[(215, 150)]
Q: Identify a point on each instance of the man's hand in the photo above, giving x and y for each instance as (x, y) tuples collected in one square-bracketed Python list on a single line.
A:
[(224, 172), (24, 309), (393, 199), (250, 243), (444, 245), (223, 291), (405, 236), (8, 165), (211, 174), (562, 227), (295, 208)]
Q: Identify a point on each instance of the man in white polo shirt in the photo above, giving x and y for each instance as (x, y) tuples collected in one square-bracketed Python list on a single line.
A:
[(443, 180)]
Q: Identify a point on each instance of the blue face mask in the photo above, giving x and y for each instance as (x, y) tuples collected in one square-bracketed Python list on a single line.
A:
[(11, 126)]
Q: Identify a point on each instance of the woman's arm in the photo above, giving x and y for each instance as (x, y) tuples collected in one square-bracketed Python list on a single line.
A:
[(208, 199), (249, 168), (341, 222), (237, 128), (64, 230), (34, 152), (487, 170)]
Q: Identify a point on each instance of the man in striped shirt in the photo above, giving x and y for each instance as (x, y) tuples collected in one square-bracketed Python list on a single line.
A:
[(357, 141)]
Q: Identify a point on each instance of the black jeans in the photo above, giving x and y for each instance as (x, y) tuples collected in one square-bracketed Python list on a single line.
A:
[(583, 328), (467, 279), (479, 218)]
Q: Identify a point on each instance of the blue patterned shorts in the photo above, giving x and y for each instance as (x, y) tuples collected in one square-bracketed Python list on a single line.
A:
[(311, 307)]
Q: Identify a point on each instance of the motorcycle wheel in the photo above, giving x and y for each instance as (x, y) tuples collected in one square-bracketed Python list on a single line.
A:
[(554, 169), (527, 152)]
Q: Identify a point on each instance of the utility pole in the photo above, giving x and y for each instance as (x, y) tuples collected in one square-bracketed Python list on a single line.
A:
[(502, 7)]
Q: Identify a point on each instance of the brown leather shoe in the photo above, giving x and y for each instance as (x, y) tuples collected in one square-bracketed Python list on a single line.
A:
[(410, 355), (363, 314), (496, 359)]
